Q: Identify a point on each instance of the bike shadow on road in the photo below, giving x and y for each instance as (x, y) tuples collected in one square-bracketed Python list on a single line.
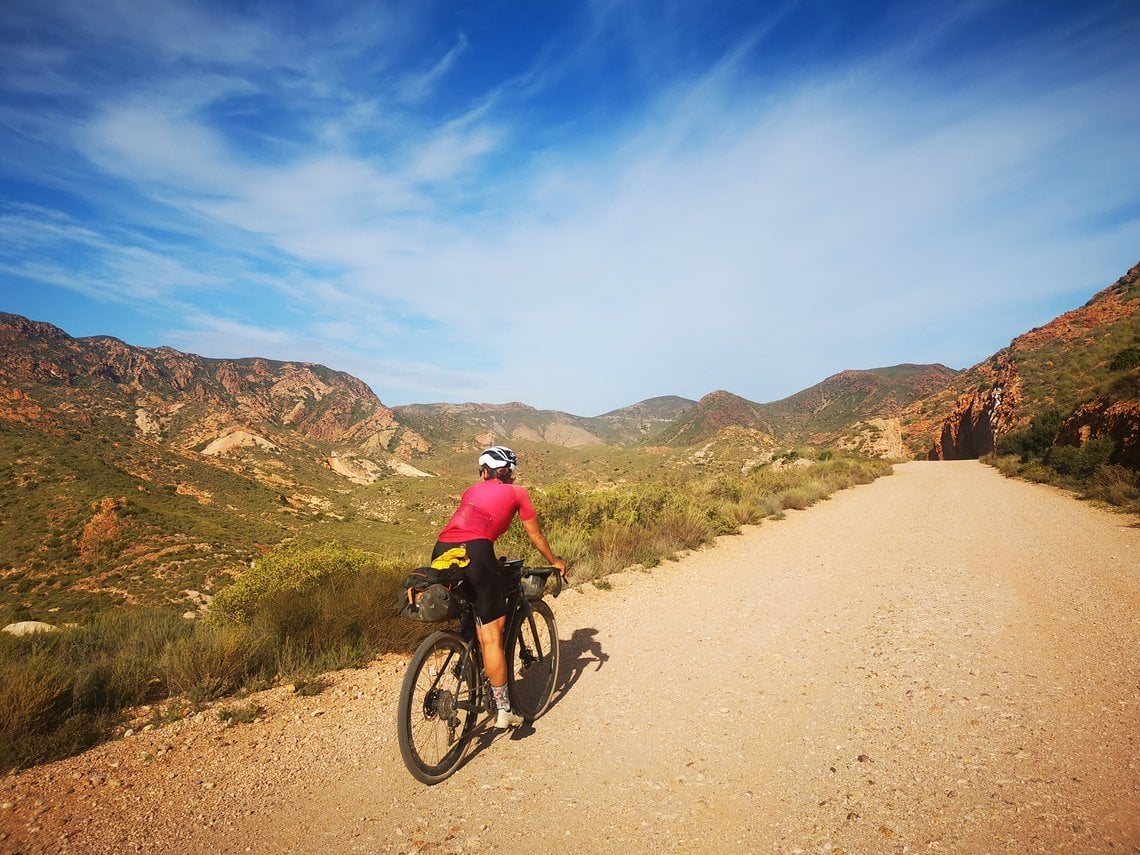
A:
[(578, 654)]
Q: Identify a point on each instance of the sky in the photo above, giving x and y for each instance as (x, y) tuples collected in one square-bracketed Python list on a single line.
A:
[(577, 205)]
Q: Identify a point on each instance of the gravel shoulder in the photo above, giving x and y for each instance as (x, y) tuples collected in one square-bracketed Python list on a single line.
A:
[(944, 660)]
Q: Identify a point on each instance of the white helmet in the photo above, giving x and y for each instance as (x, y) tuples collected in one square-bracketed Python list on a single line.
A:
[(498, 456)]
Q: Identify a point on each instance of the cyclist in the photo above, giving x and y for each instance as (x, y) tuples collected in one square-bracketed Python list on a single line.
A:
[(485, 512)]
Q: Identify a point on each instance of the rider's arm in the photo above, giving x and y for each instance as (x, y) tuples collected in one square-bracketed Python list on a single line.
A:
[(540, 543)]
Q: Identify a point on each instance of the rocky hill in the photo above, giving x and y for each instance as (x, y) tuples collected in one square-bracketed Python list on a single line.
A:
[(467, 425), (843, 400), (857, 409), (715, 412), (48, 378), (128, 473), (463, 425), (1077, 364), (640, 421)]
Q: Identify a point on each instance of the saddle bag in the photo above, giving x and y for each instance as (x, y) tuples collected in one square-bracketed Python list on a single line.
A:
[(431, 596)]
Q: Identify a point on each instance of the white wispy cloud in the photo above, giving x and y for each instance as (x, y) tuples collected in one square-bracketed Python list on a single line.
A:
[(417, 85), (734, 227)]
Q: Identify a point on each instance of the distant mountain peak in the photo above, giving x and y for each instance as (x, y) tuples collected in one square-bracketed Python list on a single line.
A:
[(818, 413)]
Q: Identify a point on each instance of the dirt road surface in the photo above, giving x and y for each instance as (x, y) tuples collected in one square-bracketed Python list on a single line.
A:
[(941, 661)]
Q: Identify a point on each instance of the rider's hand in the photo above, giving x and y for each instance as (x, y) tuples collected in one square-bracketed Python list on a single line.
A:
[(562, 568)]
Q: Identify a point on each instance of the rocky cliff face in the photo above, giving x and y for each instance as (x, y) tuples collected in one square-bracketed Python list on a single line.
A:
[(1061, 364), (1106, 419), (980, 417)]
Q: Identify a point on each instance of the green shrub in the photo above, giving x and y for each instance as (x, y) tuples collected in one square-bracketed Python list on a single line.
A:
[(1125, 387), (770, 506), (35, 695), (310, 686), (293, 569), (1116, 485), (795, 498), (341, 620), (1125, 359), (241, 714), (682, 528), (1032, 442), (1038, 473), (215, 661), (91, 672), (117, 658), (37, 720), (1081, 461)]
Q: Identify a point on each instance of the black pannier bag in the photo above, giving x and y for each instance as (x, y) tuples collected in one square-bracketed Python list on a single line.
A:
[(431, 595)]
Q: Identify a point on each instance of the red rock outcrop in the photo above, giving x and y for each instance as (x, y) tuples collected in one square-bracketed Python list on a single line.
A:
[(1105, 419), (993, 393), (980, 417)]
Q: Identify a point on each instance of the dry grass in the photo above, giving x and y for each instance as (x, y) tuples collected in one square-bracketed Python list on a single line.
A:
[(303, 611)]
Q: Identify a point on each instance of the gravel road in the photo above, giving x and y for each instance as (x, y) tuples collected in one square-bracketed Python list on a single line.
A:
[(942, 661)]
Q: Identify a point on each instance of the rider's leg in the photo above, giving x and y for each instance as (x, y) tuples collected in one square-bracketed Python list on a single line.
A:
[(491, 640), (483, 575), (495, 664)]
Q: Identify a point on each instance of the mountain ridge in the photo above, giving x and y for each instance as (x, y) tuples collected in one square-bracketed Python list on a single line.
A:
[(488, 424), (819, 414), (127, 470)]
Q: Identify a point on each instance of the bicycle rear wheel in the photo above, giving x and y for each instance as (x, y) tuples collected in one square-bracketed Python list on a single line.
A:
[(437, 707), (532, 661)]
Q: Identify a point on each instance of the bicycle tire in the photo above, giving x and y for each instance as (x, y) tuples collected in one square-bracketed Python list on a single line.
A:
[(532, 661), (436, 712)]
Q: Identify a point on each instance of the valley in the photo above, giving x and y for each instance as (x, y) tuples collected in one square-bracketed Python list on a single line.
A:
[(136, 476)]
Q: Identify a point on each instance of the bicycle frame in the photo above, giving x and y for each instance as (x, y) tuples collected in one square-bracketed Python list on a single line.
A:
[(518, 610)]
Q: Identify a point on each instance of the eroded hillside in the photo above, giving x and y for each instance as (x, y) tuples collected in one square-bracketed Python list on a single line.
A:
[(1072, 364)]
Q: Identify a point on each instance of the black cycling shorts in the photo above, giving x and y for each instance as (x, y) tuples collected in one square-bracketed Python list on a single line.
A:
[(484, 576)]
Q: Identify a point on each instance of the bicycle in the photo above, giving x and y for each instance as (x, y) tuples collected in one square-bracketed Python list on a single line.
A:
[(445, 687)]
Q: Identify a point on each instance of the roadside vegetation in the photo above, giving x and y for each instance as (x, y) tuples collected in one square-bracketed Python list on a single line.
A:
[(1085, 470), (1032, 453), (303, 610)]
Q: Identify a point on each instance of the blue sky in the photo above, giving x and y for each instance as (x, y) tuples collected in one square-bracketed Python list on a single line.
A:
[(577, 205)]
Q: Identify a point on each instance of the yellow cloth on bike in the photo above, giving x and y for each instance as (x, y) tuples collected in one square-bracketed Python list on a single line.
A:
[(454, 557)]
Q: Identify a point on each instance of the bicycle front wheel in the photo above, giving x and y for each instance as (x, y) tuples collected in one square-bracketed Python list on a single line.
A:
[(437, 707), (532, 660)]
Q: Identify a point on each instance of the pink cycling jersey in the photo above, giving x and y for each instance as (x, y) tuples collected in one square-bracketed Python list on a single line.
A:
[(486, 511)]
